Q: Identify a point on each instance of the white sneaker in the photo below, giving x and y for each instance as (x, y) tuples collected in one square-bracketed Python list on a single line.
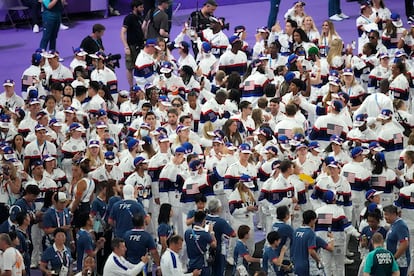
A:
[(344, 16), (63, 27), (36, 28), (336, 17), (348, 261)]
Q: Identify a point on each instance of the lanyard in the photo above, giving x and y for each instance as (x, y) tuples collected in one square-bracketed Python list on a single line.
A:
[(65, 261), (58, 218), (43, 149)]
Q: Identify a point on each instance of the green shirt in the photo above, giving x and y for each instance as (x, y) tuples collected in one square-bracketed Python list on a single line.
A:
[(380, 262)]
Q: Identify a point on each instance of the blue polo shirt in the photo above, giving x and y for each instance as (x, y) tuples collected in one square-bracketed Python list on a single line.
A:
[(138, 243), (304, 238), (240, 250), (56, 259), (269, 255), (84, 244), (221, 228), (197, 241), (368, 232), (285, 232), (122, 213), (397, 234), (165, 230)]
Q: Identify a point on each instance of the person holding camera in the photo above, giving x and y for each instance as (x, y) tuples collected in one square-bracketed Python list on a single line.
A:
[(102, 73), (56, 259), (93, 42)]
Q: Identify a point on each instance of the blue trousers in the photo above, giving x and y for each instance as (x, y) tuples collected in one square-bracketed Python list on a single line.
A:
[(219, 265), (51, 24), (274, 10), (334, 7)]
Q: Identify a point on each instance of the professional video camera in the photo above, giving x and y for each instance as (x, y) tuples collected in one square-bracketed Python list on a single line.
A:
[(112, 61), (225, 26)]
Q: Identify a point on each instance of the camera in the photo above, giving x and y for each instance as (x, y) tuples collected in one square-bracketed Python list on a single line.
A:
[(112, 60), (225, 26)]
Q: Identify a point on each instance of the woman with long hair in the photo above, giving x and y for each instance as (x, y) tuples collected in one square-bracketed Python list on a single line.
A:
[(335, 58), (399, 85), (336, 151), (355, 91), (95, 154), (232, 135), (384, 179), (328, 34), (242, 205), (165, 228), (49, 106), (392, 33), (18, 146), (408, 170), (310, 29), (81, 192)]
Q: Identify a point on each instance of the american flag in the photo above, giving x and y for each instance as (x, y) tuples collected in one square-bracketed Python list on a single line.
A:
[(27, 80), (287, 132), (398, 139), (325, 218), (378, 181), (249, 85), (350, 177), (192, 189), (334, 129)]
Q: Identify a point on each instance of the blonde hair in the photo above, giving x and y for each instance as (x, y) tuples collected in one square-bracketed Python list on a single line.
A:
[(313, 26), (207, 127), (335, 49), (332, 32), (241, 192), (92, 159)]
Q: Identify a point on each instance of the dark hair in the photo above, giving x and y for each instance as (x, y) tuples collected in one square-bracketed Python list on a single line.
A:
[(48, 199), (95, 85), (234, 95), (175, 239), (149, 106), (375, 33), (83, 220), (58, 230), (84, 165), (116, 242), (270, 90), (13, 142), (291, 109), (138, 220), (293, 23), (376, 214), (275, 100), (172, 110), (32, 189), (285, 165), (107, 94), (308, 216), (243, 231), (262, 102), (136, 3), (48, 97), (98, 28), (282, 212), (20, 217), (199, 217), (272, 237), (56, 86), (183, 118), (80, 90), (391, 209), (244, 104), (200, 198), (233, 81), (379, 165), (164, 215), (303, 36)]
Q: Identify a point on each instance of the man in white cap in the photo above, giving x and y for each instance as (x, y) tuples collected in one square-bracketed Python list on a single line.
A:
[(103, 74), (391, 138), (57, 72), (9, 99), (79, 59), (109, 170)]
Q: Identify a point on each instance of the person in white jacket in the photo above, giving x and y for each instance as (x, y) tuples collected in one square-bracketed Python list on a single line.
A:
[(116, 264)]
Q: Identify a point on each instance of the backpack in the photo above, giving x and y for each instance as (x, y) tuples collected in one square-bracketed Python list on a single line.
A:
[(148, 21)]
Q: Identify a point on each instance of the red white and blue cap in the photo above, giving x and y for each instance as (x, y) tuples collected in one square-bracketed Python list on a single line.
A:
[(247, 181), (166, 67), (230, 146), (195, 165), (400, 53), (163, 138), (383, 55), (375, 146), (8, 153), (34, 101), (360, 119), (164, 100), (48, 157), (110, 158), (336, 139), (284, 142), (145, 125), (70, 109), (140, 160), (98, 55), (218, 140), (8, 82), (5, 121), (76, 126), (329, 196), (301, 145), (134, 142), (180, 150), (80, 52), (334, 164), (40, 115), (315, 146), (94, 143), (206, 47), (356, 151), (234, 39), (109, 141), (245, 148), (100, 124), (40, 127), (55, 122), (298, 138), (271, 149), (180, 128), (371, 193), (348, 71), (385, 114)]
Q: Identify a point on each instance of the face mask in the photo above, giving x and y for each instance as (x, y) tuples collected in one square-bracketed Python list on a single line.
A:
[(144, 132)]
